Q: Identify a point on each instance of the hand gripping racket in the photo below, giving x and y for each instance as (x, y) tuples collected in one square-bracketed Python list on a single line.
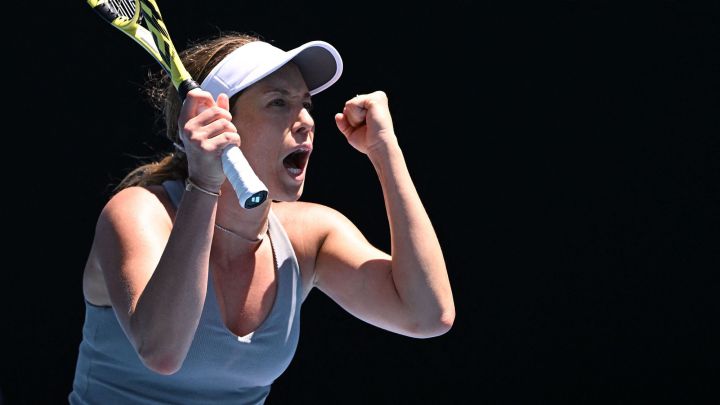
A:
[(141, 21)]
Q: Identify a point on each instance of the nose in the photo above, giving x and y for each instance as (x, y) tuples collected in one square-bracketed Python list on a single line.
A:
[(304, 122)]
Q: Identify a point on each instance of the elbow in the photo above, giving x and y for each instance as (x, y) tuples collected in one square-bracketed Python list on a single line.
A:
[(437, 325), (160, 359), (447, 320), (443, 323), (165, 364), (158, 350)]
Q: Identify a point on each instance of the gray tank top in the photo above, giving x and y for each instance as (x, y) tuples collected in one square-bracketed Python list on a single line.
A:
[(220, 367)]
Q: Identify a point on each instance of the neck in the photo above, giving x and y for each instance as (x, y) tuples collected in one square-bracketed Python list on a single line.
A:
[(233, 221), (239, 235)]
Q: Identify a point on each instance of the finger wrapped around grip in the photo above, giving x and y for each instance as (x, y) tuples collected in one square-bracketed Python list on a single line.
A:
[(218, 143)]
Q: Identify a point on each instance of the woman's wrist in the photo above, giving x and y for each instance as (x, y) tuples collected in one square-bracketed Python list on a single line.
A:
[(384, 148), (191, 185)]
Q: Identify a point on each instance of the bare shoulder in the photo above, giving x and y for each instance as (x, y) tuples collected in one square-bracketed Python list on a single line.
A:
[(308, 218), (308, 226), (138, 203), (125, 218), (133, 217)]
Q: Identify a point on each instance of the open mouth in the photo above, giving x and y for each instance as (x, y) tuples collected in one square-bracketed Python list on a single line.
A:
[(297, 160)]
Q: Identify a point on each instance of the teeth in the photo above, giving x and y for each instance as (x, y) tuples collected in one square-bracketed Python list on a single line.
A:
[(294, 170)]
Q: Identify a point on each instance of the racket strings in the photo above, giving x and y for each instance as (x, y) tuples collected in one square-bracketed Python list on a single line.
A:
[(124, 8)]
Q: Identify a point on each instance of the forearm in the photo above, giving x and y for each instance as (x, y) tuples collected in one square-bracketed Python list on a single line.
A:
[(165, 317), (418, 266)]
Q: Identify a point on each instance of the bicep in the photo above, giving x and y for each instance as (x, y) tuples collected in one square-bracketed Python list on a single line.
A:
[(357, 275), (131, 234)]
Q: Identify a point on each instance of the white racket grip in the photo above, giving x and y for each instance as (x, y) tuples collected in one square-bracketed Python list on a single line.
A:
[(250, 191)]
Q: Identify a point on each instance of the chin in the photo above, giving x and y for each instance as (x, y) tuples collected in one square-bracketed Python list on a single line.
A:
[(287, 195)]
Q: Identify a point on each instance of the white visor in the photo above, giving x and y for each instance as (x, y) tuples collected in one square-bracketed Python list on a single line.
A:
[(319, 63)]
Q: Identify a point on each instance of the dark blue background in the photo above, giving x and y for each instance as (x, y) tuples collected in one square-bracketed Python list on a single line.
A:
[(568, 154)]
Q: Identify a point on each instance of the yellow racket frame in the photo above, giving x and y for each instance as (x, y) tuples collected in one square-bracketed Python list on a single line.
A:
[(154, 38)]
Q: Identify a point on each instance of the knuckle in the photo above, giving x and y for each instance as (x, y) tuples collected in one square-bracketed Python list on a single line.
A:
[(233, 138), (380, 95), (192, 136), (206, 146), (228, 125), (195, 137)]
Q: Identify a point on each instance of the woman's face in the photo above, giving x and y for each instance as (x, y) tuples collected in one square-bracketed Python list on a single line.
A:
[(277, 131)]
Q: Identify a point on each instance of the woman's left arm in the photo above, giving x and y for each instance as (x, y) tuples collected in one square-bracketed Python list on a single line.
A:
[(409, 291)]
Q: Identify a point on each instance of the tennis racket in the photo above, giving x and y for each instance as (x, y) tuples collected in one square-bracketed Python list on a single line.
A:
[(141, 21)]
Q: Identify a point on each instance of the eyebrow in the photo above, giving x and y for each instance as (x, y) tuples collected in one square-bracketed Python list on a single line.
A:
[(284, 92)]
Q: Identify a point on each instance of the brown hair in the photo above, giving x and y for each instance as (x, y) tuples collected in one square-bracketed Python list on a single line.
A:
[(198, 59)]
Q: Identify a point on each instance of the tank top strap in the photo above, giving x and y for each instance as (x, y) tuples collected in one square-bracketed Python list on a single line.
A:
[(174, 190)]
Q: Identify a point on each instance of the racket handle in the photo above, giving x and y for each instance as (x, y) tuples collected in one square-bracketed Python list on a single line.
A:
[(185, 87), (250, 191)]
